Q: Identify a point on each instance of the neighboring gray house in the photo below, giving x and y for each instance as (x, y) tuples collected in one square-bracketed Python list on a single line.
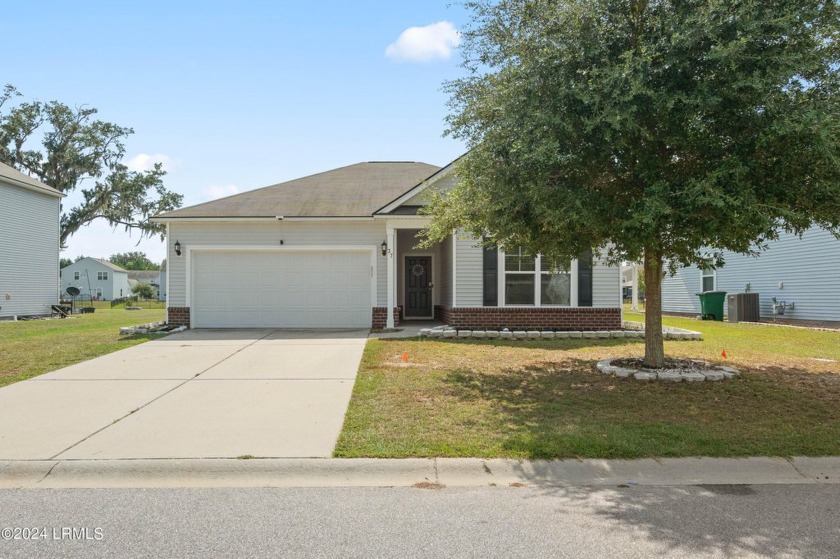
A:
[(98, 278), (151, 277), (29, 244), (804, 272), (338, 249)]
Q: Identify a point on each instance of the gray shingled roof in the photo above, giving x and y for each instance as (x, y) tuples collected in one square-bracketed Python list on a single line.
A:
[(142, 275), (109, 264), (353, 191), (14, 176)]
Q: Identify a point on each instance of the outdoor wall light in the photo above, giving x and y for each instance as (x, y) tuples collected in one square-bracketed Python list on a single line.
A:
[(178, 248), (384, 247)]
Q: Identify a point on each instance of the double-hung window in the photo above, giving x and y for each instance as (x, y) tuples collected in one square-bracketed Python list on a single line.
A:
[(530, 280), (102, 275), (77, 275), (519, 277), (708, 279)]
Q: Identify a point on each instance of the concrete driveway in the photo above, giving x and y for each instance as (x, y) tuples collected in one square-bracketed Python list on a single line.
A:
[(198, 394)]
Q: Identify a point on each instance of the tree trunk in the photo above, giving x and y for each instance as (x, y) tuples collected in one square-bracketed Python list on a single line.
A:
[(654, 344)]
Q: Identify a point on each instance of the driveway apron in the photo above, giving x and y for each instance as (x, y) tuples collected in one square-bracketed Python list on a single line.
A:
[(198, 394)]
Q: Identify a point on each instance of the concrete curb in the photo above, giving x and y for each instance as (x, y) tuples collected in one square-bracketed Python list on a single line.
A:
[(450, 472)]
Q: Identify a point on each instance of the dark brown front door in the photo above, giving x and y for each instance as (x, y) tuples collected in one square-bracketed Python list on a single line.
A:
[(418, 287)]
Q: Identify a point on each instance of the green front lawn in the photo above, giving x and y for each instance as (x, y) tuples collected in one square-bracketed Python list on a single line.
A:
[(545, 400), (31, 348)]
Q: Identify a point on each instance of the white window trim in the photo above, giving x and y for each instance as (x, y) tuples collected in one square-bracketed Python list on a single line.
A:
[(704, 273), (573, 285), (101, 276), (77, 276)]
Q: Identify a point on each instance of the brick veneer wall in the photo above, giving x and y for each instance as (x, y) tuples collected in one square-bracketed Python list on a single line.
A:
[(380, 317), (178, 316), (555, 318)]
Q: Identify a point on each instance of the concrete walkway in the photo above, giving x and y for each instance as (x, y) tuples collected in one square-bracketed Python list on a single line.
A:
[(198, 394)]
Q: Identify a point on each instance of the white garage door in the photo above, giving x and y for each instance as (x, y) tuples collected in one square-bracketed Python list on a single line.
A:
[(281, 289)]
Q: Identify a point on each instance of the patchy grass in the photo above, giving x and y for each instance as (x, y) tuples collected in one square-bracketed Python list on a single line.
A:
[(753, 344), (543, 399), (35, 347)]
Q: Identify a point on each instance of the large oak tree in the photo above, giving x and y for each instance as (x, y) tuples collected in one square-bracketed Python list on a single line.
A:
[(77, 151), (662, 131)]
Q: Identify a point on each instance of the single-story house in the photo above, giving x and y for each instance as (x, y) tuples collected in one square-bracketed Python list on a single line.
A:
[(99, 278), (803, 273), (339, 249), (150, 277), (30, 214)]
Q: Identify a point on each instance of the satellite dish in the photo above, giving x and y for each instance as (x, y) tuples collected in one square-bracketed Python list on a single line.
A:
[(73, 291)]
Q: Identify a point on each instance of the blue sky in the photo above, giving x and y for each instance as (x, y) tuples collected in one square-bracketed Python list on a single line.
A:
[(235, 96)]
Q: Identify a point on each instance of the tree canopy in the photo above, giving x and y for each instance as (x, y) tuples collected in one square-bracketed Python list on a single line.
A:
[(143, 290), (663, 131), (133, 261), (79, 152)]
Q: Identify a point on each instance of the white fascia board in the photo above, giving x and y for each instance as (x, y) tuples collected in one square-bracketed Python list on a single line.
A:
[(327, 218), (441, 173), (410, 223), (252, 219), (206, 219)]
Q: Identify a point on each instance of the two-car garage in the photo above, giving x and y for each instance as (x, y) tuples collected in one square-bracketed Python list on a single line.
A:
[(282, 288)]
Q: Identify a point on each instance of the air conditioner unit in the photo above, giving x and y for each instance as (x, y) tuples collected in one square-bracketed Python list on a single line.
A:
[(742, 307)]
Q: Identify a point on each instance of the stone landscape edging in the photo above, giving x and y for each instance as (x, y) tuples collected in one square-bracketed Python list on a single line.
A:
[(632, 330), (712, 372)]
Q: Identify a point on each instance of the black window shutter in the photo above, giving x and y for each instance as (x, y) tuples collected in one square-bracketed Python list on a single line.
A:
[(585, 279), (491, 276)]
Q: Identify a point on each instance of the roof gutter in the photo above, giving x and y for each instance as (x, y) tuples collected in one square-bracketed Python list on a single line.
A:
[(174, 219)]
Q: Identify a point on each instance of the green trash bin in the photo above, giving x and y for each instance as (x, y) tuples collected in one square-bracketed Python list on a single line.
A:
[(711, 304)]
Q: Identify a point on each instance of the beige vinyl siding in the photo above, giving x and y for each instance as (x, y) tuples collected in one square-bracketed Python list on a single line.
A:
[(445, 285), (606, 284), (29, 240), (469, 263), (269, 233)]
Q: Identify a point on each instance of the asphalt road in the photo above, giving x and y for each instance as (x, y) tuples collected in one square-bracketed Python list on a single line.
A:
[(615, 522)]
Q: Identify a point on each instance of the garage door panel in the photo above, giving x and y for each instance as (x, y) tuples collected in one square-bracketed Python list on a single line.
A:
[(281, 289)]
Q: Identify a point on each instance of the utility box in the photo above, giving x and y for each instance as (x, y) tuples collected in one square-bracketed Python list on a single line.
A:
[(742, 307)]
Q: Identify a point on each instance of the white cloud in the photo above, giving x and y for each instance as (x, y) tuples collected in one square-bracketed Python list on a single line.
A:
[(214, 192), (421, 44), (146, 162)]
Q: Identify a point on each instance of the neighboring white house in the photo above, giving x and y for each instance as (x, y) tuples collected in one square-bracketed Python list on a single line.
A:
[(338, 249), (804, 273), (98, 278), (29, 244)]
